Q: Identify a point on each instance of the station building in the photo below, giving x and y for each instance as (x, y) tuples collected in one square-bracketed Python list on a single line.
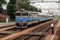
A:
[(4, 18)]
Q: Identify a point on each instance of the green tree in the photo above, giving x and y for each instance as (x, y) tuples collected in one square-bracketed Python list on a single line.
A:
[(11, 8), (24, 4), (1, 3), (12, 1)]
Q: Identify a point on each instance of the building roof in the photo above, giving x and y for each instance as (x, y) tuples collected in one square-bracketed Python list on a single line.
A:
[(2, 16)]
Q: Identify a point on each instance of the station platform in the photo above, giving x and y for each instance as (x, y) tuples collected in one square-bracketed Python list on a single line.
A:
[(6, 24)]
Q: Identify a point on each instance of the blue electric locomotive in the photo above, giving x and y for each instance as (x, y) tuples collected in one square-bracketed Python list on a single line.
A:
[(24, 18)]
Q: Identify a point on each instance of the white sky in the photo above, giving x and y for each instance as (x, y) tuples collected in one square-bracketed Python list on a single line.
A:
[(47, 6), (4, 6), (44, 0)]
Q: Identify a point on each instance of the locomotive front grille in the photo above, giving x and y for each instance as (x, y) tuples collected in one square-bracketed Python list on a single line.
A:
[(21, 25)]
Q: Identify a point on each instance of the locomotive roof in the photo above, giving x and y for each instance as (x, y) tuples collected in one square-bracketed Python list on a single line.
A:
[(20, 11), (40, 13), (44, 14)]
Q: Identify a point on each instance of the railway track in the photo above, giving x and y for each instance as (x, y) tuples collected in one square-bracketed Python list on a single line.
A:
[(6, 33), (36, 37)]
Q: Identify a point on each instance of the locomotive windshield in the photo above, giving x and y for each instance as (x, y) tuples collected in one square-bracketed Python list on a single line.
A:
[(18, 14), (25, 14), (22, 13)]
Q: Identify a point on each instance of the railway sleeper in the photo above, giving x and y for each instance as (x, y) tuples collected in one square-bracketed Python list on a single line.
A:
[(38, 35)]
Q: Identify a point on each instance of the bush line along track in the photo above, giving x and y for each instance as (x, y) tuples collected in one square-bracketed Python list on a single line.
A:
[(24, 32)]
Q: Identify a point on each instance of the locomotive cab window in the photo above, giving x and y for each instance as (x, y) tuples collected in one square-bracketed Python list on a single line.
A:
[(24, 14), (18, 14)]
